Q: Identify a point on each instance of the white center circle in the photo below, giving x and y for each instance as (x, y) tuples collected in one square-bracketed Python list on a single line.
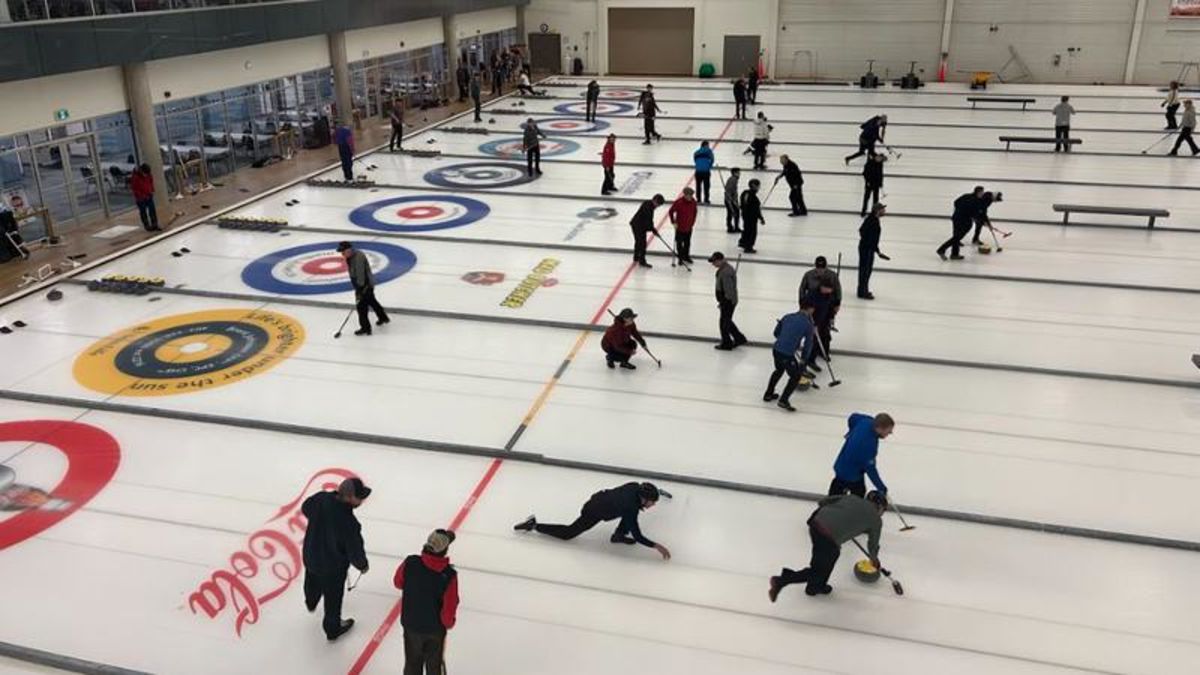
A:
[(193, 348)]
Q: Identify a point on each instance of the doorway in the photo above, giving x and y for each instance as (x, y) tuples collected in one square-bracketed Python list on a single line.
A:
[(545, 53), (741, 54), (71, 180)]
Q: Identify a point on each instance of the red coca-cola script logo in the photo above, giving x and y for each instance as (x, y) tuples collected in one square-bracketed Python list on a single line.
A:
[(92, 458), (267, 566)]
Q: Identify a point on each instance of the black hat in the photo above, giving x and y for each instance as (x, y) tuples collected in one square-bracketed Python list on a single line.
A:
[(354, 487), (717, 256), (821, 261), (626, 313), (344, 246)]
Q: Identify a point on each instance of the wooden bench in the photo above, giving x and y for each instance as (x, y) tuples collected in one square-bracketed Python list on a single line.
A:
[(1067, 209), (1000, 99), (1009, 140)]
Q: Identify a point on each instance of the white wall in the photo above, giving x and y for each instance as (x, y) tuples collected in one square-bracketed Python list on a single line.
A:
[(472, 24), (583, 25), (383, 40), (31, 103), (834, 39), (213, 71), (1166, 40)]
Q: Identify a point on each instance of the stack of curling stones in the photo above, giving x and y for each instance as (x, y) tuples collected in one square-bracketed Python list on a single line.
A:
[(865, 572), (118, 283), (251, 223), (359, 182), (464, 130)]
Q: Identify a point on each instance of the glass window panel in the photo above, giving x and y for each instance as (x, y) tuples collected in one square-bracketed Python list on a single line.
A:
[(113, 6), (69, 8)]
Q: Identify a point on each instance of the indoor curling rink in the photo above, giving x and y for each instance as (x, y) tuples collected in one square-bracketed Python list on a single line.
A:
[(1046, 404)]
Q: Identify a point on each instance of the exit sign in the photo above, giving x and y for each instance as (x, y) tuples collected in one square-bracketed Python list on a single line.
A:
[(62, 114)]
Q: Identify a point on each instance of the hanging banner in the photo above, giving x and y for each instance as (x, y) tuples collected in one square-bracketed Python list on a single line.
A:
[(1185, 9)]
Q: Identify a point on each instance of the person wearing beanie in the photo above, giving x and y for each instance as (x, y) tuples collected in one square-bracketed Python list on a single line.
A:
[(359, 269), (836, 521), (752, 216), (824, 309), (820, 275), (332, 543), (624, 503), (642, 224), (872, 132), (872, 181), (429, 605), (793, 333), (683, 216), (733, 211), (856, 460), (621, 340)]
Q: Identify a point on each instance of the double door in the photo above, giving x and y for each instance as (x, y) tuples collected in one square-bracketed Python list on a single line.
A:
[(72, 182)]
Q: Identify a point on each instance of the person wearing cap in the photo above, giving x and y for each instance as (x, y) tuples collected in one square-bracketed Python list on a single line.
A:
[(795, 181), (648, 110), (793, 334), (363, 282), (429, 606), (683, 216), (727, 299), (872, 180), (532, 144), (836, 521), (621, 340), (752, 216), (642, 224), (869, 234), (703, 159), (856, 460), (332, 543), (623, 503), (982, 219), (608, 160), (820, 275)]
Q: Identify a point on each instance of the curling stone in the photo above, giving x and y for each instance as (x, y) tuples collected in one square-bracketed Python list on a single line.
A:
[(865, 572)]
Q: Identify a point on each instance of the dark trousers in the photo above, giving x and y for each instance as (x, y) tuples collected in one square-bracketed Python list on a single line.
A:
[(730, 335), (784, 363), (478, 107), (961, 227), (866, 146), (1185, 135), (979, 223), (753, 92), (330, 588), (703, 186), (396, 142), (1171, 121), (796, 197), (148, 214), (366, 299), (749, 232), (525, 90), (683, 245), (648, 127), (424, 653), (825, 336), (639, 244), (855, 487), (614, 356), (866, 265), (590, 112), (347, 157), (739, 109), (825, 553), (533, 158), (587, 519), (1062, 132), (610, 180), (870, 192), (733, 215), (759, 147)]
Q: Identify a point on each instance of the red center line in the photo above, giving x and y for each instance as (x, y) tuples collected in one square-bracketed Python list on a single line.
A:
[(486, 480)]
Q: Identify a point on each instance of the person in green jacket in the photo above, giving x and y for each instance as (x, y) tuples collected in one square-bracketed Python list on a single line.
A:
[(836, 521)]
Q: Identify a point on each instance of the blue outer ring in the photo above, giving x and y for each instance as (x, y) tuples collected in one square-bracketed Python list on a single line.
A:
[(258, 275), (574, 108), (544, 124), (436, 177), (492, 147), (364, 216)]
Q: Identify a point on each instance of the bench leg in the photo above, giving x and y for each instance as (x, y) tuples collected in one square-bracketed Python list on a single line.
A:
[(1066, 215), (1152, 222)]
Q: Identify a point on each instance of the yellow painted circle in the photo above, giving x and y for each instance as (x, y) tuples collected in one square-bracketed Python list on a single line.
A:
[(188, 352)]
